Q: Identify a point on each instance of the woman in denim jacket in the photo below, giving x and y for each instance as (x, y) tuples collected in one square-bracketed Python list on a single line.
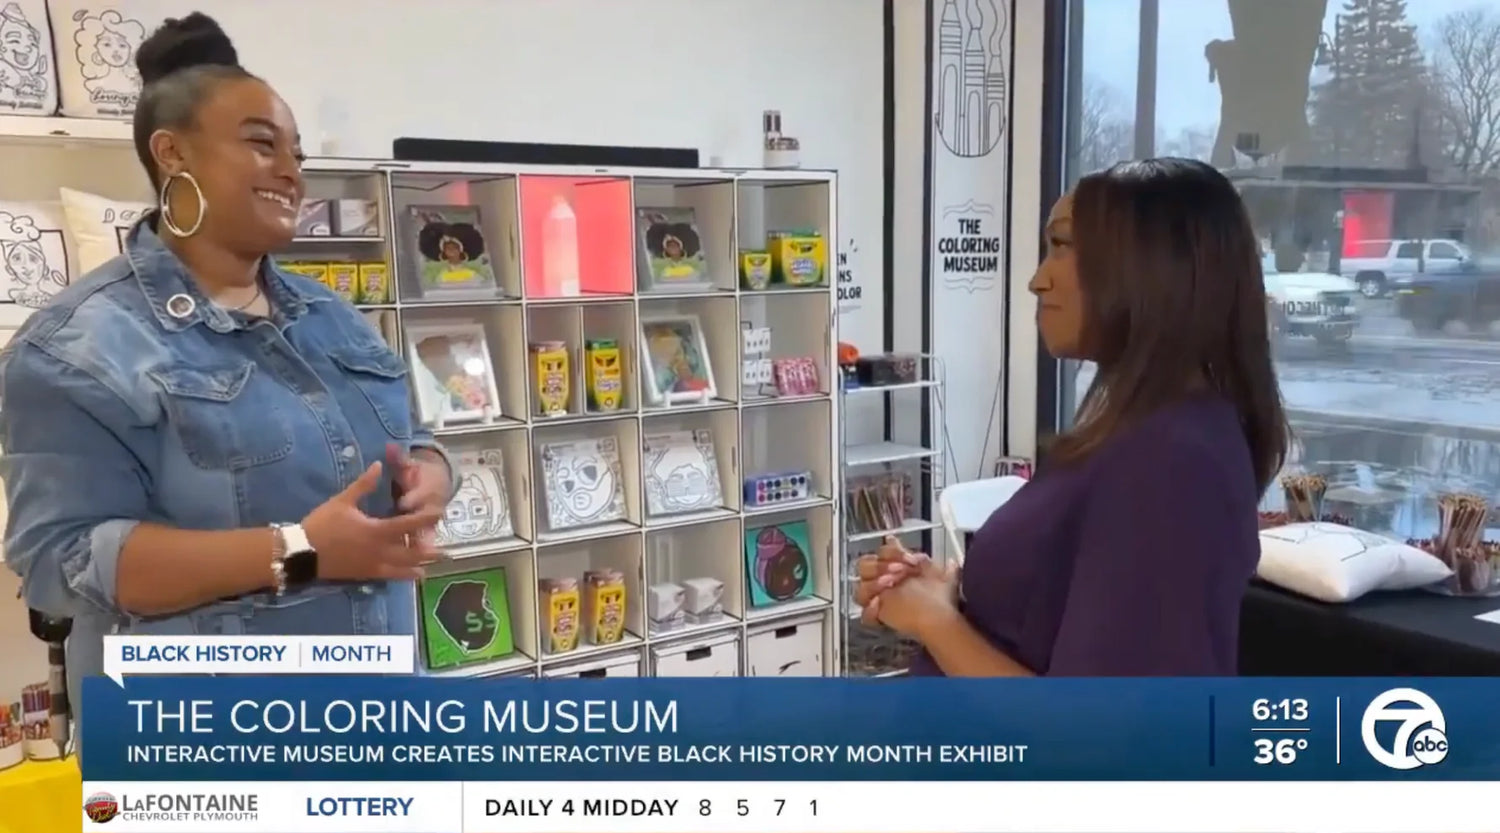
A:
[(193, 440)]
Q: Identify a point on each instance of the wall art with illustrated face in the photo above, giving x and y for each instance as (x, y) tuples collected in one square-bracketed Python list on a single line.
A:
[(452, 372), (778, 561), (582, 483), (681, 473), (27, 83), (449, 254), (480, 509), (466, 618), (33, 254), (97, 44)]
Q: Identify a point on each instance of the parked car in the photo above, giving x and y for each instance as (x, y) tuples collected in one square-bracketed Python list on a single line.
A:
[(1315, 305), (1432, 303), (1382, 265)]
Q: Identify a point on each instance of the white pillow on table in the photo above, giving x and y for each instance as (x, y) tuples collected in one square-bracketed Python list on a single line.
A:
[(1334, 563)]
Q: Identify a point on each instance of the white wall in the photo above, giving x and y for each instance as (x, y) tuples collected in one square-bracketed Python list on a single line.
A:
[(680, 73)]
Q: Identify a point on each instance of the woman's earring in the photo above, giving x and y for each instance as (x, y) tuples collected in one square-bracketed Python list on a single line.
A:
[(166, 207)]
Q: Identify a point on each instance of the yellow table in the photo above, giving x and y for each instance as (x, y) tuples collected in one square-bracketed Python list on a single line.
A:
[(39, 796)]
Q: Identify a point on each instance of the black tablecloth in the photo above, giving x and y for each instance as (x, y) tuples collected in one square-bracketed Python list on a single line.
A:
[(1410, 634)]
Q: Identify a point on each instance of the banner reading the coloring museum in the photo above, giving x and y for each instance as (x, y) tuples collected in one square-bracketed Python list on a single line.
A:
[(969, 167)]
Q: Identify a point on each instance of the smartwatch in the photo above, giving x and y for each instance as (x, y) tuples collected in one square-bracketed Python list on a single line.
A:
[(294, 563)]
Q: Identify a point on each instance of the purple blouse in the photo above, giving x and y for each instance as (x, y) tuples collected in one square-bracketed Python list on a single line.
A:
[(1132, 563)]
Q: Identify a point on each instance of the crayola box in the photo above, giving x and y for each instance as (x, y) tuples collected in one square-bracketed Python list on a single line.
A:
[(798, 258), (314, 271)]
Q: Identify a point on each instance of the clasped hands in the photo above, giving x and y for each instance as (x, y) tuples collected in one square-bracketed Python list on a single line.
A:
[(903, 590), (353, 546)]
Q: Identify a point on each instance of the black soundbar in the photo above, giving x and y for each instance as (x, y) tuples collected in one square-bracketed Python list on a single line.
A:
[(411, 149)]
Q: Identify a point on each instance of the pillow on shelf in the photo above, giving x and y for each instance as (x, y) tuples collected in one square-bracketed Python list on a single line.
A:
[(28, 70), (98, 225), (1333, 563), (96, 46), (33, 253)]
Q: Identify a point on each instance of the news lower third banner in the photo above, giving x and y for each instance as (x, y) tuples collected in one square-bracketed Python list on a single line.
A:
[(347, 753), (757, 729), (301, 754)]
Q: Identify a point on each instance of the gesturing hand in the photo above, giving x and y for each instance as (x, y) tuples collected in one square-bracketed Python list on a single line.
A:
[(424, 481), (353, 546)]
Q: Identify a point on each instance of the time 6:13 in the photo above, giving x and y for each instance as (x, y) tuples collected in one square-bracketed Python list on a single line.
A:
[(1264, 709)]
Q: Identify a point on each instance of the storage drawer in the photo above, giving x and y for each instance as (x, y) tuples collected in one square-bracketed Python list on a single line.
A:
[(710, 656), (612, 665), (787, 648)]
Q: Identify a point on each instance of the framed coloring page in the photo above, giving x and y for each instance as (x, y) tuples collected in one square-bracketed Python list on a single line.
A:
[(450, 256), (675, 360), (582, 484), (452, 372), (480, 509), (681, 472)]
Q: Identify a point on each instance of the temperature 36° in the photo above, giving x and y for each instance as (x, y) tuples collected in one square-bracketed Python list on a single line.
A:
[(1283, 751)]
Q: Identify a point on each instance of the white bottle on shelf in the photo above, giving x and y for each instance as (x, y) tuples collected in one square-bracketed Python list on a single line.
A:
[(560, 250)]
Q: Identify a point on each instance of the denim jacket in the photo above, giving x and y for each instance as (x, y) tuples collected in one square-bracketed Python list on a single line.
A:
[(134, 398)]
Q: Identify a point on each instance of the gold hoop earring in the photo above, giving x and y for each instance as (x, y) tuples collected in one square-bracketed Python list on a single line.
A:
[(166, 208)]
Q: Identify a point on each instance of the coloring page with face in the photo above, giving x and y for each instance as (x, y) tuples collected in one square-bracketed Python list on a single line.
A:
[(582, 483), (480, 509), (28, 77), (97, 44), (33, 254), (681, 473)]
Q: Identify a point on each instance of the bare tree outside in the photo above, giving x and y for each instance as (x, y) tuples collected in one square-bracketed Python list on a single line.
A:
[(1105, 127), (1465, 57)]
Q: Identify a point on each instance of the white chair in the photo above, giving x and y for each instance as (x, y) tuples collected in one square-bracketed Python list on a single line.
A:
[(965, 507)]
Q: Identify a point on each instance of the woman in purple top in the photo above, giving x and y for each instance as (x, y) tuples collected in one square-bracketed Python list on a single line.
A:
[(1129, 554)]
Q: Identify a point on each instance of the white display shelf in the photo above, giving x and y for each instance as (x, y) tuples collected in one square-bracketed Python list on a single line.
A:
[(873, 651), (754, 432), (882, 451)]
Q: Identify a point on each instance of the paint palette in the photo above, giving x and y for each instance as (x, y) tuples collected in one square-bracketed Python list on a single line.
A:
[(775, 489)]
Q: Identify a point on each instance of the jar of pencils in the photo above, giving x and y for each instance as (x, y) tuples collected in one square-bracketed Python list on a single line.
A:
[(1460, 543)]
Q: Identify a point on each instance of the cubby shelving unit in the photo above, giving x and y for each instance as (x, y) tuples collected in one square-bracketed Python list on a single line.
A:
[(899, 451), (753, 430)]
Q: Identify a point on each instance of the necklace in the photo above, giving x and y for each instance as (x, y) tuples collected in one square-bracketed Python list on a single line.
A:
[(247, 304)]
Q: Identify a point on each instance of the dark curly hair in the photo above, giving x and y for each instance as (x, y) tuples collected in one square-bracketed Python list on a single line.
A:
[(430, 239), (180, 63), (659, 230)]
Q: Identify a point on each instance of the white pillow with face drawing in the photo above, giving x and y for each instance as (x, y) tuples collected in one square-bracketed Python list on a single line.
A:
[(96, 46), (33, 253), (97, 226), (28, 80)]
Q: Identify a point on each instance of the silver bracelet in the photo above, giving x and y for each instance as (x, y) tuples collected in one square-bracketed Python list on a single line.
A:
[(278, 560)]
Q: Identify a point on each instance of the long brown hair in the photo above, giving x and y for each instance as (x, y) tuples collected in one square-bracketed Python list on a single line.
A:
[(1174, 299)]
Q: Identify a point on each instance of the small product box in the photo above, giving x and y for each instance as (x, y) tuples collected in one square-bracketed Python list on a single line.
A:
[(343, 279), (315, 218), (664, 606), (604, 606), (560, 600), (703, 600), (312, 271), (798, 258), (374, 284), (356, 218)]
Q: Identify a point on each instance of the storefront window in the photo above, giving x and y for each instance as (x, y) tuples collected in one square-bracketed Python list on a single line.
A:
[(1365, 138)]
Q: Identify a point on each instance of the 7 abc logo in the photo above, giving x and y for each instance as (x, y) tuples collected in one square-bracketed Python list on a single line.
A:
[(1421, 732)]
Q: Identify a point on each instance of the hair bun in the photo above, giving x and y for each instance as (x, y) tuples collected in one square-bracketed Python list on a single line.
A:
[(179, 43)]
